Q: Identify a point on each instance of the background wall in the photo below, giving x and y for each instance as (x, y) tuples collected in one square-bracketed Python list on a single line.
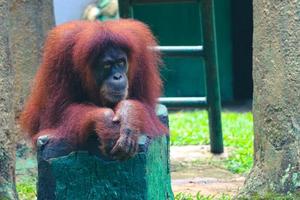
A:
[(67, 10)]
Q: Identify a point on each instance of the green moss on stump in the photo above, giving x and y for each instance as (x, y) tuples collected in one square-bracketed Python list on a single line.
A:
[(83, 175)]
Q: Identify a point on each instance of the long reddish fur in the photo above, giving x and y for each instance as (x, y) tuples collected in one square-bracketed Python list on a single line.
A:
[(64, 101)]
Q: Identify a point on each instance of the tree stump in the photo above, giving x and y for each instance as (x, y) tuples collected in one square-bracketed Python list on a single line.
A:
[(63, 174)]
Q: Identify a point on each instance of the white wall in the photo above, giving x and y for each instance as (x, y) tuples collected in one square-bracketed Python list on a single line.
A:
[(67, 10)]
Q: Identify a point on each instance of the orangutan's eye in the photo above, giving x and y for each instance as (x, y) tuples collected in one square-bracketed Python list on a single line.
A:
[(107, 66), (121, 63)]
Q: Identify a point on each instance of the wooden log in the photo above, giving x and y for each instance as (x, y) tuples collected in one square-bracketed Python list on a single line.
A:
[(88, 175)]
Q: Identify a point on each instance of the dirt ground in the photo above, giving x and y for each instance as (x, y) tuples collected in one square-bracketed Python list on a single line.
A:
[(195, 169)]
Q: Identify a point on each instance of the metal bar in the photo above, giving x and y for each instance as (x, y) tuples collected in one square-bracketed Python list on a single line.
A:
[(125, 9), (212, 76), (162, 1), (180, 51), (199, 102)]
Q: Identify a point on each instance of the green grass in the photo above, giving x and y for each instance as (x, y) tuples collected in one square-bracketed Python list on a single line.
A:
[(26, 188), (268, 196), (198, 196), (191, 127), (274, 196)]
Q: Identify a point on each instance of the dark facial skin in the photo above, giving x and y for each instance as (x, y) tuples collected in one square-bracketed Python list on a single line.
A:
[(110, 74)]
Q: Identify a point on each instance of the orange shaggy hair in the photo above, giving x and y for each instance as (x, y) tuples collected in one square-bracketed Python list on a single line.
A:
[(64, 101)]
